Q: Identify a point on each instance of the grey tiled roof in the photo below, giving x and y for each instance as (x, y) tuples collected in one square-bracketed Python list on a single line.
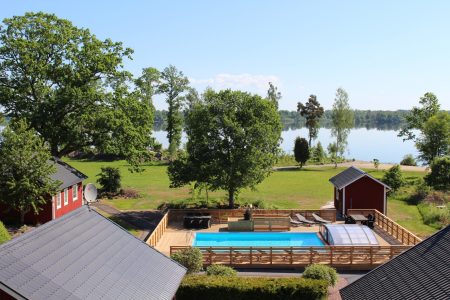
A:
[(84, 255), (66, 174), (422, 272), (350, 175)]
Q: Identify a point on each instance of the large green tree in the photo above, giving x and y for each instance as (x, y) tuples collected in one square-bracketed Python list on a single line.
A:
[(435, 138), (439, 177), (419, 115), (71, 87), (312, 112), (233, 140), (25, 169), (173, 84), (342, 120)]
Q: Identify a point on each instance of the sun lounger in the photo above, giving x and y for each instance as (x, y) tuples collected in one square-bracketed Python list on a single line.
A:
[(319, 219), (303, 220), (295, 223)]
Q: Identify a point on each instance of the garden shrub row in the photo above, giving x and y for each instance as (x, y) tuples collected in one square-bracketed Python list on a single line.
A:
[(4, 235), (241, 288)]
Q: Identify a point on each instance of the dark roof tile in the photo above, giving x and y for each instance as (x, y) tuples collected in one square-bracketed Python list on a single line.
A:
[(67, 174), (350, 175)]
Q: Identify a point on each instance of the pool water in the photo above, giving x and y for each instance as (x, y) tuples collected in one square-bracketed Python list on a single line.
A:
[(257, 239)]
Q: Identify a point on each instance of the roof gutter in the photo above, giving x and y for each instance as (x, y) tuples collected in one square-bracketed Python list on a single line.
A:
[(11, 292)]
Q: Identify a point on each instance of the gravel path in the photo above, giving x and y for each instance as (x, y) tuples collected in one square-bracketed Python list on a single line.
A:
[(359, 164)]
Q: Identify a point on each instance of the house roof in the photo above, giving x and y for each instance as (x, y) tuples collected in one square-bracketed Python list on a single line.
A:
[(84, 255), (421, 272), (67, 174), (349, 176)]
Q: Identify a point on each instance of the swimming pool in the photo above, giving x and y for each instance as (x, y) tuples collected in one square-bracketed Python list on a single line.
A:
[(257, 239)]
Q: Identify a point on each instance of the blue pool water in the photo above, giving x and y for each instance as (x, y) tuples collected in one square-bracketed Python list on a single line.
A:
[(257, 239)]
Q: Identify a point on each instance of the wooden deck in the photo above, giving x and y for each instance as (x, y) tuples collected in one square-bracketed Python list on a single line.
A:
[(176, 235)]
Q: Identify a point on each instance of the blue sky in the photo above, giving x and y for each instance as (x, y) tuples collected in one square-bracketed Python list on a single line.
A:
[(386, 54)]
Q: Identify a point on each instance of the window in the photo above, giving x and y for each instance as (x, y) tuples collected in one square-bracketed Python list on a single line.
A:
[(74, 192), (58, 200), (66, 197)]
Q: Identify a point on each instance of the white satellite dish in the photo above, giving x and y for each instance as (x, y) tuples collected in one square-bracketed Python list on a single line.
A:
[(90, 193)]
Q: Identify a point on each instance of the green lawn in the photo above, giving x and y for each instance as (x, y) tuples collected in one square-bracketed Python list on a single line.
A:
[(308, 189)]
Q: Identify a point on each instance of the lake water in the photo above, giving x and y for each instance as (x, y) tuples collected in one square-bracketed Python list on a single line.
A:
[(363, 144)]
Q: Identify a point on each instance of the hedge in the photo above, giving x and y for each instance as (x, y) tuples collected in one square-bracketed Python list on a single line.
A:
[(4, 234), (201, 287), (324, 272)]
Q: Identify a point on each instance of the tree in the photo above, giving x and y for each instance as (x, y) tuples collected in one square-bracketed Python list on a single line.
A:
[(439, 178), (148, 83), (394, 178), (173, 85), (25, 170), (71, 88), (419, 115), (333, 150), (301, 151), (233, 140), (110, 179), (4, 234), (376, 163), (319, 153), (312, 112), (435, 138), (408, 160), (273, 94), (342, 120)]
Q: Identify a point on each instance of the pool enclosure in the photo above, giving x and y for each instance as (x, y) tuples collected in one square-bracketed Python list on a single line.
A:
[(348, 235)]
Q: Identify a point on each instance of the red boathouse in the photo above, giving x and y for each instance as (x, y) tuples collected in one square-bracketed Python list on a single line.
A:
[(355, 189)]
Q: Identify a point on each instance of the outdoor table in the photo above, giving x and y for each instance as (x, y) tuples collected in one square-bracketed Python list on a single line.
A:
[(359, 218)]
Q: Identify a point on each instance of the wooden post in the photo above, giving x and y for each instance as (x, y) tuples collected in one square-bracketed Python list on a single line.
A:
[(270, 255), (210, 255), (291, 260), (331, 255), (371, 256), (351, 255), (310, 255), (231, 255), (251, 255)]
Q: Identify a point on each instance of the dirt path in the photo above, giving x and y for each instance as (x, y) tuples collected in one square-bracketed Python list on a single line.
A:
[(359, 164), (144, 221)]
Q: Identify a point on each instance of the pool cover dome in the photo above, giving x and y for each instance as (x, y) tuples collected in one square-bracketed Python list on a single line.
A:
[(348, 235)]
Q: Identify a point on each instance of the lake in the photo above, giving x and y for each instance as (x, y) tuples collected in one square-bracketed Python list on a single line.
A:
[(363, 144)]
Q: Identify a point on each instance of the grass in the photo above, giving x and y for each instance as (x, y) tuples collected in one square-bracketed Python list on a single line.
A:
[(308, 189)]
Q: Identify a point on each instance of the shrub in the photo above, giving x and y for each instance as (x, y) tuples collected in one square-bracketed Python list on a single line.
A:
[(321, 272), (109, 179), (191, 258), (394, 178), (408, 160), (434, 216), (301, 150), (201, 287), (4, 234), (220, 270), (439, 178)]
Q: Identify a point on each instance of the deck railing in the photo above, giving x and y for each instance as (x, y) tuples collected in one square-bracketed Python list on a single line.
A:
[(389, 226), (158, 232), (348, 257)]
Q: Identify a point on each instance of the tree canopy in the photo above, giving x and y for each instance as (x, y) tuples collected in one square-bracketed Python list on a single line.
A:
[(435, 138), (301, 151), (312, 112), (71, 87), (439, 177), (273, 94), (342, 120), (25, 169), (233, 140)]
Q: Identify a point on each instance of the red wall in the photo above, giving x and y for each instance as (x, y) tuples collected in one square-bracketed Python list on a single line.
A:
[(13, 216), (73, 204), (364, 193)]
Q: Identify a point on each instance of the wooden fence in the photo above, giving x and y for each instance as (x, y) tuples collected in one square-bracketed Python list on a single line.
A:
[(347, 257), (158, 232), (220, 216), (390, 227)]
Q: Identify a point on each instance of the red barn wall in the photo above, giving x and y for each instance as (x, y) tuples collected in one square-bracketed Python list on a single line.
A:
[(364, 193), (71, 205)]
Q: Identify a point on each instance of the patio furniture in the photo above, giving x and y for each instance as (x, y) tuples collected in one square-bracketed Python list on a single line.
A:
[(304, 220), (320, 220), (358, 218), (196, 222), (371, 221), (295, 223), (349, 220), (239, 224)]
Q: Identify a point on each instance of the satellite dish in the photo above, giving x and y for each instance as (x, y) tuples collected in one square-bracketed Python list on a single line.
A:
[(90, 193)]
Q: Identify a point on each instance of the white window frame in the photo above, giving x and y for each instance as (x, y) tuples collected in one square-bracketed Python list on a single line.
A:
[(66, 197), (74, 192), (58, 200)]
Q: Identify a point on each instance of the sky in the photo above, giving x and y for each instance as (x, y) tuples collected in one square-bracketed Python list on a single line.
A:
[(385, 54)]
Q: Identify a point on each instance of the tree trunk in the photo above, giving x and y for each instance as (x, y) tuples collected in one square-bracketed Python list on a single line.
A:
[(231, 198), (309, 142)]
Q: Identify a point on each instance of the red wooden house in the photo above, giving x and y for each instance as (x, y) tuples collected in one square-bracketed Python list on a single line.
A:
[(355, 189), (69, 197)]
